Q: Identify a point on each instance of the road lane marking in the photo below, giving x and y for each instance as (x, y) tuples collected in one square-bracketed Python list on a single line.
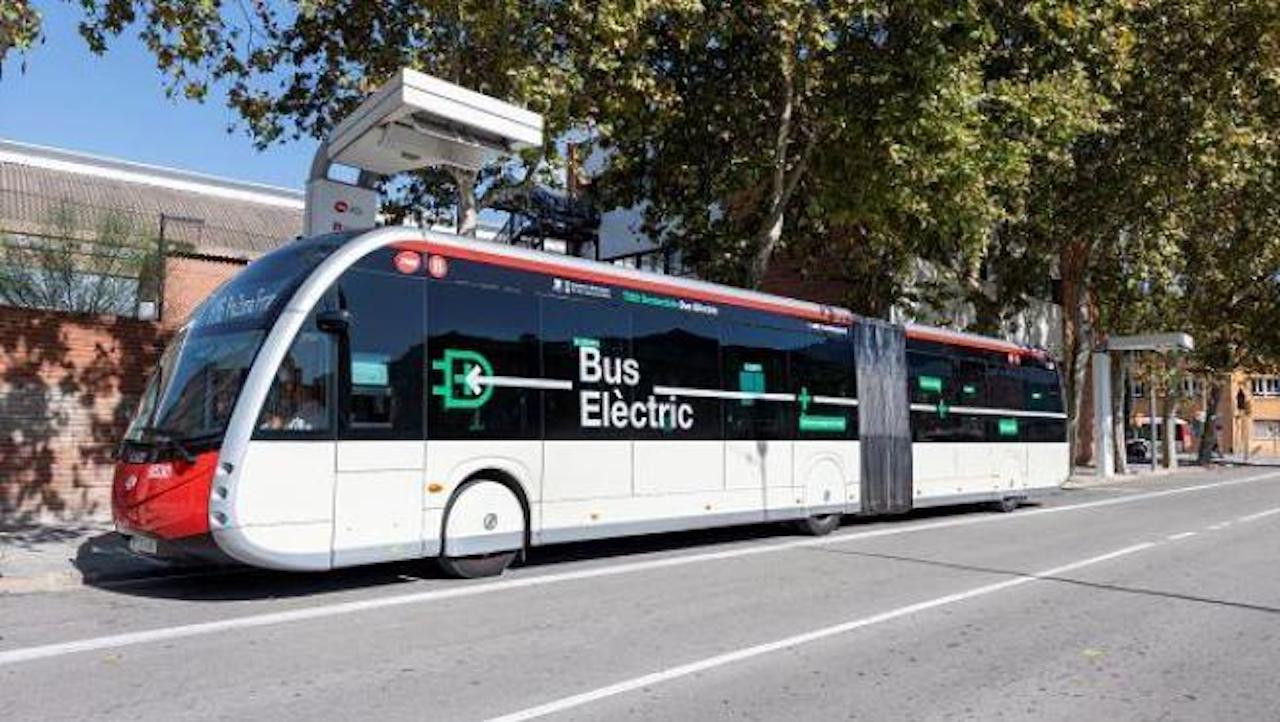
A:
[(1260, 515), (1182, 535), (1219, 526), (720, 660), (127, 639)]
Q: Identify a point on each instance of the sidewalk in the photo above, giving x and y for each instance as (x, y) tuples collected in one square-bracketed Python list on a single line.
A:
[(64, 555)]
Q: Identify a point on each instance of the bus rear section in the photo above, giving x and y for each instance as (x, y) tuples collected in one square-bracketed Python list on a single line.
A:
[(424, 396)]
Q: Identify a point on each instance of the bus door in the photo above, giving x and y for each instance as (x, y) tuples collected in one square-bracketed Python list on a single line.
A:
[(884, 418), (381, 447)]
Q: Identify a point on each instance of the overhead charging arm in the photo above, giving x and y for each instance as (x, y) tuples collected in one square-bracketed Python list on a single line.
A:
[(413, 121)]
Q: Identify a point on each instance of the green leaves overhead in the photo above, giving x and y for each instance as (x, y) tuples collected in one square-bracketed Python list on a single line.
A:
[(19, 26), (1125, 148)]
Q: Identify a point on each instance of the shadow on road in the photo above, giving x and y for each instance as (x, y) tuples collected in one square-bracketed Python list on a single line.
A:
[(238, 583)]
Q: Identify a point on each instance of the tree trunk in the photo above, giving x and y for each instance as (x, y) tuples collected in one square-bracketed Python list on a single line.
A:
[(1209, 434), (1169, 434), (468, 208), (1075, 344), (1119, 410), (771, 231)]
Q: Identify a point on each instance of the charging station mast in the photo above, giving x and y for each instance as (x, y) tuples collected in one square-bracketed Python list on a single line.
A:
[(414, 121)]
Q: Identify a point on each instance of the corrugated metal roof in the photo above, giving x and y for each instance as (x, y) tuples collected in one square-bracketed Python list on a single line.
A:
[(215, 217)]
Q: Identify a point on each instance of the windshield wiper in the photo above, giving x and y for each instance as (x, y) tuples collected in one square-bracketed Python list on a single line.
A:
[(174, 440)]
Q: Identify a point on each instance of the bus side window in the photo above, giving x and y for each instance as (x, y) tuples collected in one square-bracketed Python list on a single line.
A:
[(754, 359), (571, 330), (821, 372), (476, 332), (679, 350), (300, 400), (384, 354), (931, 378)]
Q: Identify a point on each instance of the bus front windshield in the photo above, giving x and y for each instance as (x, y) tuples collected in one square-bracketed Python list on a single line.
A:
[(193, 390)]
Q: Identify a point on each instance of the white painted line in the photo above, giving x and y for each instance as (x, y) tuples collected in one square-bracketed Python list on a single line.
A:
[(720, 660), (983, 411), (1182, 535), (1260, 515), (835, 400), (58, 649), (1219, 526), (521, 382), (717, 393)]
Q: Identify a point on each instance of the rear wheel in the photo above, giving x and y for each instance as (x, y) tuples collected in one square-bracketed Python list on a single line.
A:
[(1007, 504), (820, 524), (475, 567)]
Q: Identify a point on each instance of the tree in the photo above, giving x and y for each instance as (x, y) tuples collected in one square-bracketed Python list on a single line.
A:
[(19, 26), (64, 270), (1128, 222), (296, 69)]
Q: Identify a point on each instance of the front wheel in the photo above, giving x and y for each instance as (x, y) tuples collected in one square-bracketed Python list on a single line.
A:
[(475, 567), (820, 524)]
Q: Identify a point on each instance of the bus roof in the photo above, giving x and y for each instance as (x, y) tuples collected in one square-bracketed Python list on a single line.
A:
[(581, 269)]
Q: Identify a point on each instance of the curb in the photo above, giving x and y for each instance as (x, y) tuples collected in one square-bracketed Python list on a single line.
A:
[(1088, 481), (46, 582)]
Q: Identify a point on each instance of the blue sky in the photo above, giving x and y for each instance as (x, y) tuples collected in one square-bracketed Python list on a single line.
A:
[(115, 105)]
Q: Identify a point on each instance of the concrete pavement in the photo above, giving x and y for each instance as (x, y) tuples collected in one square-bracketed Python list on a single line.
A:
[(1121, 602)]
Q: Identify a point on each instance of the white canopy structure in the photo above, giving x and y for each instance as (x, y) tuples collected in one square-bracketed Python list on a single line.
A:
[(413, 121)]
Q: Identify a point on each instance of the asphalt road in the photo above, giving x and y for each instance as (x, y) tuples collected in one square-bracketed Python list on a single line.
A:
[(1136, 602)]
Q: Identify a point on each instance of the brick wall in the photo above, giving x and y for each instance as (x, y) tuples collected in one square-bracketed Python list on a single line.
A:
[(68, 384), (189, 280)]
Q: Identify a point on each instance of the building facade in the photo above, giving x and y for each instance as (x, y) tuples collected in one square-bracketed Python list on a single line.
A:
[(100, 261)]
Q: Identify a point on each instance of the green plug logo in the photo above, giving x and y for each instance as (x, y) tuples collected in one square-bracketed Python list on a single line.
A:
[(464, 375)]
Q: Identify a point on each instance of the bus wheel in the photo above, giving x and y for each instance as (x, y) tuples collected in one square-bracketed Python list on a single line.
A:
[(474, 567), (819, 525), (484, 530), (1007, 504)]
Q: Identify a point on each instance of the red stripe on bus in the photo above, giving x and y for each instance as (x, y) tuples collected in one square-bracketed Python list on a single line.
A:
[(978, 343), (580, 274)]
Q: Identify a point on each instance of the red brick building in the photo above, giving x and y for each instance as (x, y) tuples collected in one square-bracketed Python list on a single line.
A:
[(71, 368)]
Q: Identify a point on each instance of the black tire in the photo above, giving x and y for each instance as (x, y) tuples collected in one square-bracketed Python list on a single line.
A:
[(1007, 505), (820, 524), (475, 567)]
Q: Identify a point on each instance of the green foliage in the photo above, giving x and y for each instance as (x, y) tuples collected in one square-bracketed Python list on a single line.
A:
[(19, 26), (1125, 147), (65, 269)]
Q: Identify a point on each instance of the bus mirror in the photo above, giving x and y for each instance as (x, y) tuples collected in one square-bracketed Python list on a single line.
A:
[(335, 321)]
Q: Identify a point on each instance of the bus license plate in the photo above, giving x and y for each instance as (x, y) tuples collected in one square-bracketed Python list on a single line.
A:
[(142, 545)]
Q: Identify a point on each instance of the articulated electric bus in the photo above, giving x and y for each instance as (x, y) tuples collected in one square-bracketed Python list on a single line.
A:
[(394, 394)]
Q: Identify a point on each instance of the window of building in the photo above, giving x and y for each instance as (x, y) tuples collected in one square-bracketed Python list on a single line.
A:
[(1266, 386), (1266, 429), (477, 332), (1139, 389)]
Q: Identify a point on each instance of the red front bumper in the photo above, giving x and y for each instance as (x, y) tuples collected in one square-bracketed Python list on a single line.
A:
[(168, 500)]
